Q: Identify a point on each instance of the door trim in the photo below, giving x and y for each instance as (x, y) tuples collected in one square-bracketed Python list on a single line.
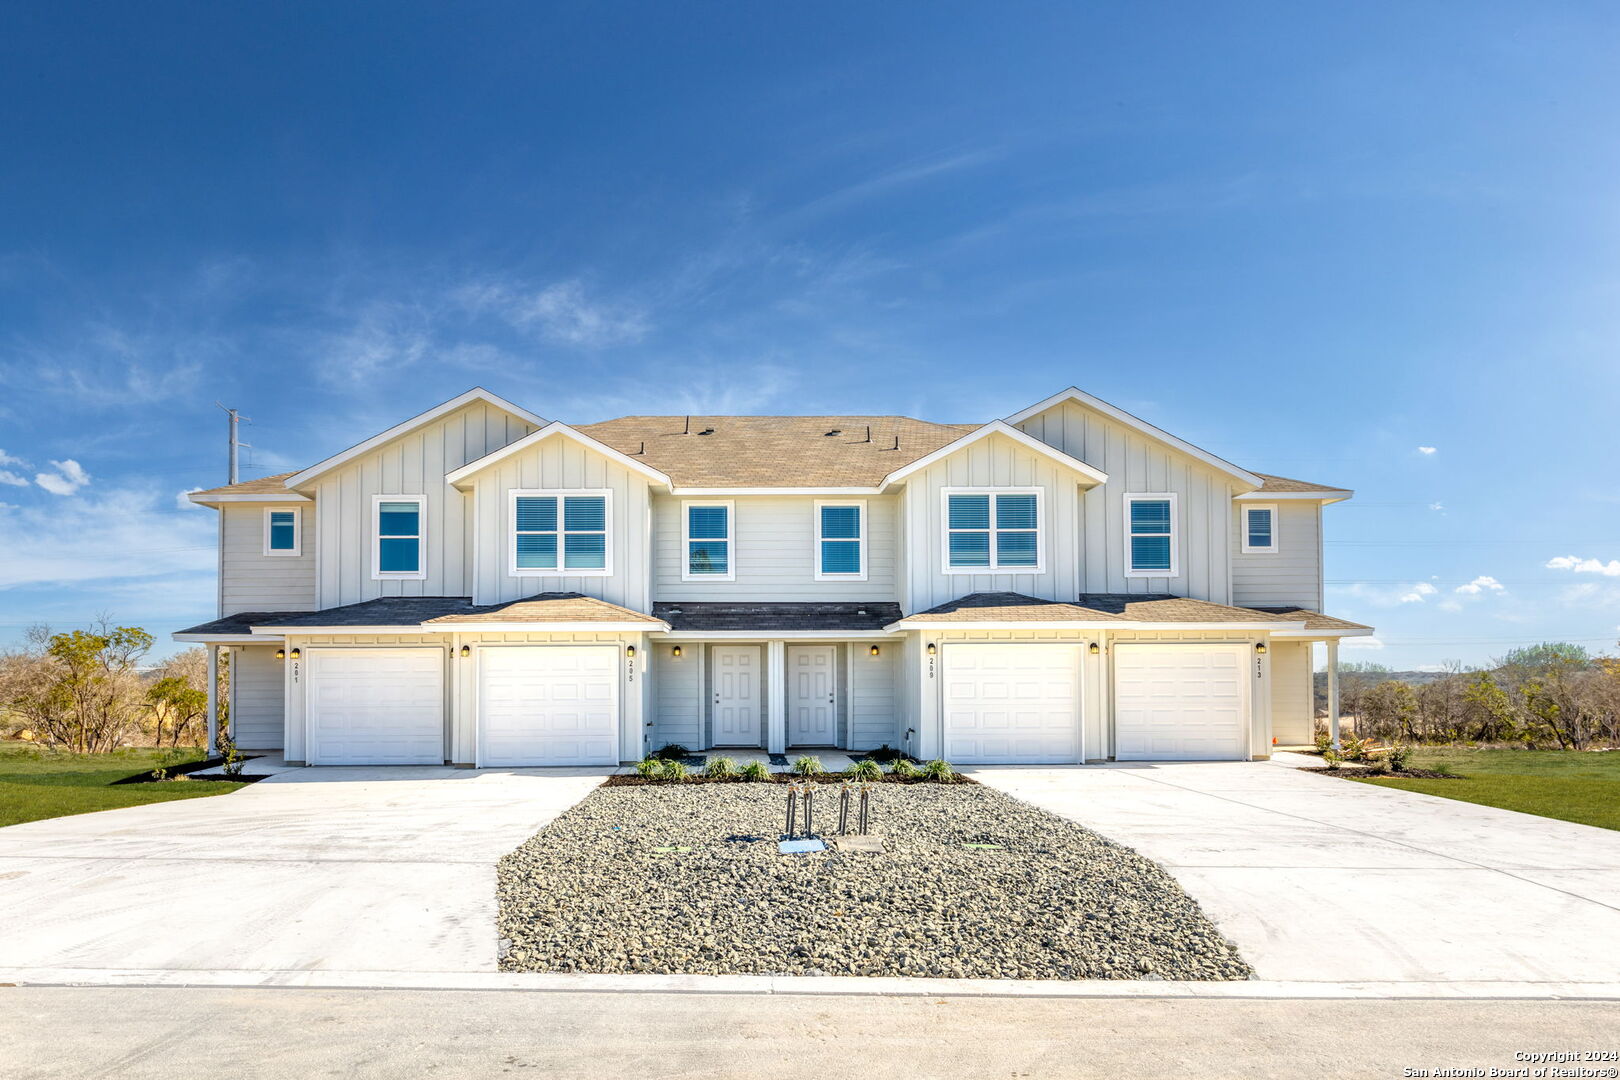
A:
[(713, 694), (832, 650)]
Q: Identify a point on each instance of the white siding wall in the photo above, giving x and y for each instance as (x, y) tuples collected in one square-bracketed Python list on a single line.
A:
[(249, 579), (560, 463), (992, 462), (1292, 716), (679, 715), (413, 464), (1292, 576), (1136, 463), (257, 715), (871, 694), (774, 541)]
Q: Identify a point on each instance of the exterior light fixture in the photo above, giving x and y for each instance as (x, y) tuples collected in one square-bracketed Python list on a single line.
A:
[(281, 654), (1260, 647), (1095, 649), (630, 650), (932, 648), (875, 650), (296, 653), (675, 651), (466, 651)]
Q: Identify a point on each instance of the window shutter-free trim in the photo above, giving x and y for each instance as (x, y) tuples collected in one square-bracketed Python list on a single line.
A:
[(399, 537), (560, 533), (283, 531), (993, 531), (1259, 529), (1151, 540), (707, 535), (840, 551)]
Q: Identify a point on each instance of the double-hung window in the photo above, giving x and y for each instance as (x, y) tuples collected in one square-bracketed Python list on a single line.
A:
[(397, 537), (281, 531), (993, 531), (1150, 535), (1259, 530), (560, 533), (841, 541), (706, 541)]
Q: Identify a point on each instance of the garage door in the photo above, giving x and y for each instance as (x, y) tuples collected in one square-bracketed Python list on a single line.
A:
[(375, 706), (1012, 704), (549, 705), (1181, 702)]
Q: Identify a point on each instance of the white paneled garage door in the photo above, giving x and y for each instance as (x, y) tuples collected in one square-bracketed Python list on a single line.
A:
[(1181, 702), (375, 706), (548, 705), (1012, 704)]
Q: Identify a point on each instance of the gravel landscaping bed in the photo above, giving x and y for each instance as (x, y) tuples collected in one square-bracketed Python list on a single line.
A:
[(686, 879)]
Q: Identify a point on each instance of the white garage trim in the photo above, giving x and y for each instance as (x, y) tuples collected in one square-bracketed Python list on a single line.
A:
[(1011, 703), (374, 706), (548, 705), (1175, 701)]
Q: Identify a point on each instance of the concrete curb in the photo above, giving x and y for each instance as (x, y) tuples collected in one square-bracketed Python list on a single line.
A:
[(802, 985)]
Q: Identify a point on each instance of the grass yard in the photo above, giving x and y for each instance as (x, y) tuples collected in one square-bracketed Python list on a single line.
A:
[(36, 783), (1565, 784)]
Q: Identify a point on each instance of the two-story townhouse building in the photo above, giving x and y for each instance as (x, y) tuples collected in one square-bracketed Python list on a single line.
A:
[(482, 586)]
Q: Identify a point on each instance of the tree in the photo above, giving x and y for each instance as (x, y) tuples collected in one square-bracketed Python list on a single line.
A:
[(1487, 708), (178, 698), (1389, 711), (80, 689)]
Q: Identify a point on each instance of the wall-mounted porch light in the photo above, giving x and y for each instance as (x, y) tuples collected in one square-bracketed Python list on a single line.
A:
[(1260, 647), (675, 651), (296, 653), (932, 648), (875, 650), (281, 654), (1095, 649), (466, 651), (630, 650)]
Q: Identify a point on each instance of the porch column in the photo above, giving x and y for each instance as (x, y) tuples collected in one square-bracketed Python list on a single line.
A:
[(213, 699), (776, 703), (1333, 690)]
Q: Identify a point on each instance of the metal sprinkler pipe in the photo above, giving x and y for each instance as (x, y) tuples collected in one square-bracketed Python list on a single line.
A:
[(866, 800), (809, 796), (792, 814), (843, 810)]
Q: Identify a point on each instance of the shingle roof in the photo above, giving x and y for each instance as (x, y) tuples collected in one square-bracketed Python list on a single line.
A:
[(1122, 608), (265, 485), (425, 610), (1314, 620), (548, 607), (763, 618), (240, 623), (1283, 483)]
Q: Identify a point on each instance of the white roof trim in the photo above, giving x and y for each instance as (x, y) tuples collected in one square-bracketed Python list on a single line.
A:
[(202, 499), (999, 427), (477, 393), (1115, 624), (727, 492), (224, 639), (1115, 413), (461, 627), (1323, 634), (770, 635), (1325, 495), (556, 427)]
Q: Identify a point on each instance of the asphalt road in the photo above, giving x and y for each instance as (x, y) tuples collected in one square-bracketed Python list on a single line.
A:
[(177, 1033)]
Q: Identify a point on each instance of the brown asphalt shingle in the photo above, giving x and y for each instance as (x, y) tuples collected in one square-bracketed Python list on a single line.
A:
[(547, 607), (265, 485), (1283, 483), (1314, 620), (1122, 608)]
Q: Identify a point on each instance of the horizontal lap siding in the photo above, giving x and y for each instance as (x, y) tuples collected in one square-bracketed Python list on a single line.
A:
[(774, 542), (1293, 575), (678, 716), (250, 580), (258, 717), (872, 689), (1136, 463)]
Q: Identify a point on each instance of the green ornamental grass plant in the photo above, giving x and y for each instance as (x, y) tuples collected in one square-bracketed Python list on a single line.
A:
[(808, 766), (720, 768), (755, 772), (939, 771), (864, 770), (904, 769)]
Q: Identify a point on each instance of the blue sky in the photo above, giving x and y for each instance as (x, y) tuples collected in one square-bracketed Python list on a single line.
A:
[(1312, 241)]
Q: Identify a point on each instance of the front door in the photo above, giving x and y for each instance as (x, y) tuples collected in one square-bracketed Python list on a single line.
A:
[(736, 695), (812, 695)]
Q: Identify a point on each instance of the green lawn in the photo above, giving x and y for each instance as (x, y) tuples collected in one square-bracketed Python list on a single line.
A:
[(36, 783), (1565, 784)]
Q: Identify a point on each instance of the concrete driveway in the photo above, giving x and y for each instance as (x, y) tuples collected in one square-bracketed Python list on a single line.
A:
[(350, 869), (1322, 880)]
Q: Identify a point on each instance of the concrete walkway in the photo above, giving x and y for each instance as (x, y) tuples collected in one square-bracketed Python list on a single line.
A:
[(1320, 879), (342, 869)]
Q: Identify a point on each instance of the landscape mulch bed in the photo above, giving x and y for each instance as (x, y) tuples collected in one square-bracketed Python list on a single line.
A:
[(1403, 774), (151, 776)]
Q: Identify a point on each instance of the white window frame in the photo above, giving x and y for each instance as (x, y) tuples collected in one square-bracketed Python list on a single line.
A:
[(420, 573), (1175, 533), (512, 568), (686, 540), (298, 531), (860, 538), (1245, 509), (994, 567)]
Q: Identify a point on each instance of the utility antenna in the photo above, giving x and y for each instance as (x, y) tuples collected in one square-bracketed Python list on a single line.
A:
[(868, 432), (236, 443), (688, 430)]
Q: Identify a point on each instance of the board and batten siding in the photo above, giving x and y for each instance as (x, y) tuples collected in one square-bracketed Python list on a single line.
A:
[(1136, 463), (413, 464), (250, 580), (1292, 575), (679, 696), (870, 688), (559, 463), (992, 462), (258, 714), (774, 551)]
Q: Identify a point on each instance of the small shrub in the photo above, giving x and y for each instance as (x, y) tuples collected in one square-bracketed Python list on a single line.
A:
[(670, 769), (228, 751), (1399, 757), (1354, 749), (904, 769), (808, 766), (1378, 766), (939, 771), (1324, 742), (754, 772), (885, 753), (864, 770), (1332, 758), (1442, 768), (649, 767), (720, 768), (672, 752)]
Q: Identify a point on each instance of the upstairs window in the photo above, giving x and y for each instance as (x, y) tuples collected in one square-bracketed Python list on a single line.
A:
[(1150, 535), (559, 533), (841, 541), (281, 532), (1259, 530), (706, 541), (992, 531), (397, 548)]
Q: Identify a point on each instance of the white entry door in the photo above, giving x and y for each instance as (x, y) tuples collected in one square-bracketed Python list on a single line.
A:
[(548, 705), (812, 695), (736, 695), (375, 706), (1012, 704), (1181, 702)]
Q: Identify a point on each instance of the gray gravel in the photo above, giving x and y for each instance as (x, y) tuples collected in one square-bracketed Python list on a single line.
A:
[(1057, 901)]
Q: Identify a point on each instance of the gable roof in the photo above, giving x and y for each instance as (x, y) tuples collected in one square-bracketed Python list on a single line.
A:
[(998, 427), (1281, 487), (555, 429), (1092, 611), (265, 489), (436, 613), (477, 393)]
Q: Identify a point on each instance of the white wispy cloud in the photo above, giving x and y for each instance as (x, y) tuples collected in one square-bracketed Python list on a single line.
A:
[(65, 477), (1585, 566), (1362, 643), (562, 312), (1427, 451), (118, 535), (1482, 584), (1437, 507), (11, 459), (181, 502), (1390, 595), (1418, 593), (13, 479)]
